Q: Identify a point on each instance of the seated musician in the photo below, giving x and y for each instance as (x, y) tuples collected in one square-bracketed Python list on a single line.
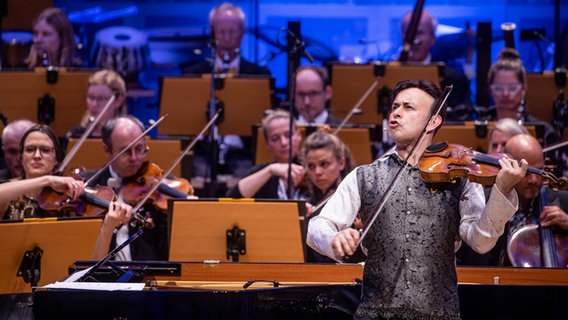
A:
[(312, 95), (117, 133), (53, 41), (40, 153), (11, 137), (524, 146), (327, 160), (101, 86), (501, 132), (269, 181)]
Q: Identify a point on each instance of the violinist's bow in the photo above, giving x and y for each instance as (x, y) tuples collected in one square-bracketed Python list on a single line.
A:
[(84, 136)]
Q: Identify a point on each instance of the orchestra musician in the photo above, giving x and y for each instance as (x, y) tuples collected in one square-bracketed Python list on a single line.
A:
[(53, 41), (420, 53), (117, 133), (227, 23), (101, 86), (410, 272), (507, 81), (326, 160), (270, 180), (11, 137), (313, 92), (524, 146), (501, 132), (40, 154)]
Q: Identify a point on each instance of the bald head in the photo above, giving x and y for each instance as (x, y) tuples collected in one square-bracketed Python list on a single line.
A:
[(525, 146)]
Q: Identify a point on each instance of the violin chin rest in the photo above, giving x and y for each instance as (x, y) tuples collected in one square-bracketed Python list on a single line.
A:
[(437, 147)]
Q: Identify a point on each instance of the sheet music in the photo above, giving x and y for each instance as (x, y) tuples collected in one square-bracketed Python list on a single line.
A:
[(100, 286), (75, 276)]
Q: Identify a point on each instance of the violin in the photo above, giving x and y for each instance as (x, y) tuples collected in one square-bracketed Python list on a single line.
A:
[(91, 203), (443, 162), (136, 187)]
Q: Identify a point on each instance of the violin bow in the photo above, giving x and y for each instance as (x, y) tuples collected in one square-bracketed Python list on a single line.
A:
[(379, 69), (98, 172), (84, 136), (398, 175), (156, 185)]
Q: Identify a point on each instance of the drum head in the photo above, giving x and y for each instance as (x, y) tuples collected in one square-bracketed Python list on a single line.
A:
[(123, 49)]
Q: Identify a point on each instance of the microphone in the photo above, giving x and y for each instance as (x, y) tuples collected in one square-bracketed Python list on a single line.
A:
[(300, 45)]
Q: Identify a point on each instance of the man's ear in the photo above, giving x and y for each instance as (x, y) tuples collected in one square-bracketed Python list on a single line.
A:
[(434, 123)]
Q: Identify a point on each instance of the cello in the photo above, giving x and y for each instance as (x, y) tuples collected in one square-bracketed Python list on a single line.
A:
[(533, 245)]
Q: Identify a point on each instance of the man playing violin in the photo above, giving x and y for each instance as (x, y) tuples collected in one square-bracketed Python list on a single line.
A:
[(524, 146), (410, 272), (117, 133)]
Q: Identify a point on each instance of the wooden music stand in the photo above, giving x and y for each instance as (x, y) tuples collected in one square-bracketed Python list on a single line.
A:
[(542, 91), (465, 134), (274, 231), (186, 101), (351, 81), (62, 241), (22, 89), (357, 139), (91, 155)]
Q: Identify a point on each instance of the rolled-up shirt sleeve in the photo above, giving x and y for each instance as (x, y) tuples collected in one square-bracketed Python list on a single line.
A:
[(482, 223), (338, 214)]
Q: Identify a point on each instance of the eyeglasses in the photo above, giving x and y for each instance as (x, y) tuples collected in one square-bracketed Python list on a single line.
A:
[(43, 150), (228, 32), (97, 100), (311, 94), (501, 88), (138, 151)]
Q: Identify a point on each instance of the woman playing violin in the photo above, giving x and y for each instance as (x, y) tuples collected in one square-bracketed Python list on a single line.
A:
[(410, 271), (40, 153)]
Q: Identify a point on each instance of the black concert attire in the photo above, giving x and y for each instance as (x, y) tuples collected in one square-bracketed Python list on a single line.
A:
[(245, 67), (153, 243)]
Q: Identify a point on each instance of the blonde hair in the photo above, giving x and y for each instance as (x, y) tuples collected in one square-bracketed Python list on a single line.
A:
[(115, 82), (509, 60)]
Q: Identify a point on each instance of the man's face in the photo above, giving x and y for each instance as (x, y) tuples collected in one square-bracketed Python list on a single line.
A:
[(11, 148), (410, 111), (423, 41), (311, 94), (131, 161), (229, 32)]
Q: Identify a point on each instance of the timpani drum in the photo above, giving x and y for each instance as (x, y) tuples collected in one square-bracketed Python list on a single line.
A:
[(15, 48), (123, 49)]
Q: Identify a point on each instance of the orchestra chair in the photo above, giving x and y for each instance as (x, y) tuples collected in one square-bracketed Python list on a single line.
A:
[(542, 92)]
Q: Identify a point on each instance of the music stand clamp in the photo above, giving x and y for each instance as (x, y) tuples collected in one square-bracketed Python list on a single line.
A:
[(30, 267), (236, 243)]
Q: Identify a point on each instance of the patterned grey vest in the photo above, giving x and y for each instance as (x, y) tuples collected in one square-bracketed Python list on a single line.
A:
[(409, 272)]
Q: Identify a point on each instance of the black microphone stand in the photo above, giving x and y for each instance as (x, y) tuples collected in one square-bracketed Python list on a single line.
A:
[(296, 49), (214, 130)]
